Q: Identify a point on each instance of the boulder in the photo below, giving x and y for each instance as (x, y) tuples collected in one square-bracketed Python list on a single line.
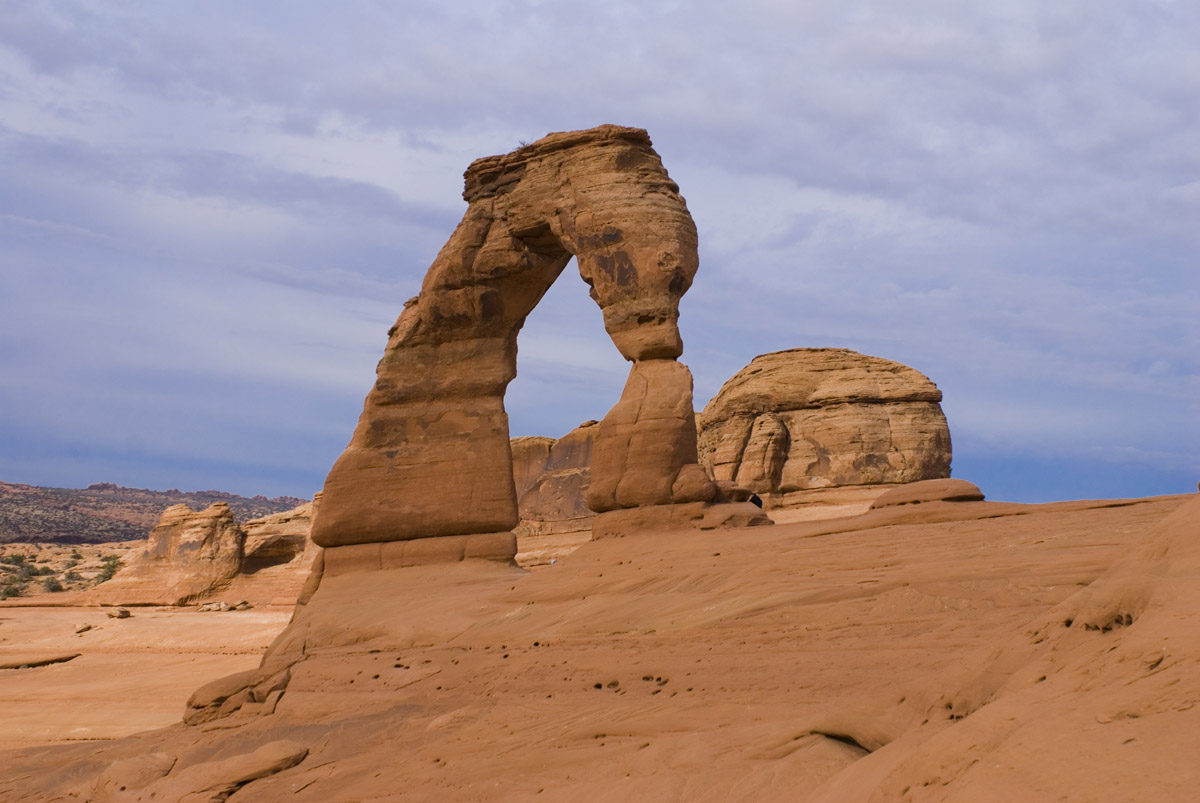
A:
[(805, 419), (189, 555)]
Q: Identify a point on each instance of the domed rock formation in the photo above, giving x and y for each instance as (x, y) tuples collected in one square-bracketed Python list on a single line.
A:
[(807, 419), (189, 555)]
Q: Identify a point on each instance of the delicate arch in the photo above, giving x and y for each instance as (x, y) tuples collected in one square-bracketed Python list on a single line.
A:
[(430, 456)]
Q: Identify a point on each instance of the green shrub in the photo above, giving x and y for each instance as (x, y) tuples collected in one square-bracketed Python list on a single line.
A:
[(11, 590), (12, 560), (52, 584), (76, 556), (72, 577), (111, 564)]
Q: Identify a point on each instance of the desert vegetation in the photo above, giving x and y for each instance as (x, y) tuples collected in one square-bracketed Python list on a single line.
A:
[(30, 569)]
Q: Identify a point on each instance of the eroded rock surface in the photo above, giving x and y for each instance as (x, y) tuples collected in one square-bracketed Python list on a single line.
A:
[(189, 555), (194, 556), (820, 418), (278, 555), (555, 500)]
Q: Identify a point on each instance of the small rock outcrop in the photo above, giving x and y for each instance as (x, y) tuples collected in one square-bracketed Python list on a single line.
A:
[(554, 500), (277, 557), (279, 539), (806, 419), (189, 555), (195, 556), (552, 478), (915, 493)]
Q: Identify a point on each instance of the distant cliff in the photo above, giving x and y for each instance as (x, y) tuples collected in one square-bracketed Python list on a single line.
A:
[(107, 512)]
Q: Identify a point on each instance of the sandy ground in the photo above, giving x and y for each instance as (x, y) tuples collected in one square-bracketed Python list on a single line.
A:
[(131, 674), (943, 652)]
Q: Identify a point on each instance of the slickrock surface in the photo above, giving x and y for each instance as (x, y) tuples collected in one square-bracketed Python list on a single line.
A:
[(130, 674), (431, 455), (942, 651), (189, 556), (818, 418)]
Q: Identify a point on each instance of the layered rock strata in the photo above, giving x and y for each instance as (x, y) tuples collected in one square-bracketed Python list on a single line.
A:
[(803, 419)]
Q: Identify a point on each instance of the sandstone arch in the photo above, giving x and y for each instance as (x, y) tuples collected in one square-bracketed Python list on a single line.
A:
[(430, 456)]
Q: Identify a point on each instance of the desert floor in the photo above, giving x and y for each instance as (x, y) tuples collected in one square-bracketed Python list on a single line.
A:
[(972, 651), (130, 674)]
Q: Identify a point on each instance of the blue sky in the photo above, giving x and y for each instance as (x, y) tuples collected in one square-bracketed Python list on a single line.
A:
[(210, 214)]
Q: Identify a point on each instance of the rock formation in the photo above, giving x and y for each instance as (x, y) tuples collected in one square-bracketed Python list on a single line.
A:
[(278, 556), (279, 539), (554, 499), (431, 455), (189, 555), (820, 418), (929, 491), (529, 461), (428, 476), (193, 556), (552, 478)]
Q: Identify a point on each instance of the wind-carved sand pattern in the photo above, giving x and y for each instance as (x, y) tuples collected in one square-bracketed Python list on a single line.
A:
[(935, 647)]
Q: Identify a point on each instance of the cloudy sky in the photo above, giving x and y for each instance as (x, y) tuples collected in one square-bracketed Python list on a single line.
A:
[(211, 212)]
